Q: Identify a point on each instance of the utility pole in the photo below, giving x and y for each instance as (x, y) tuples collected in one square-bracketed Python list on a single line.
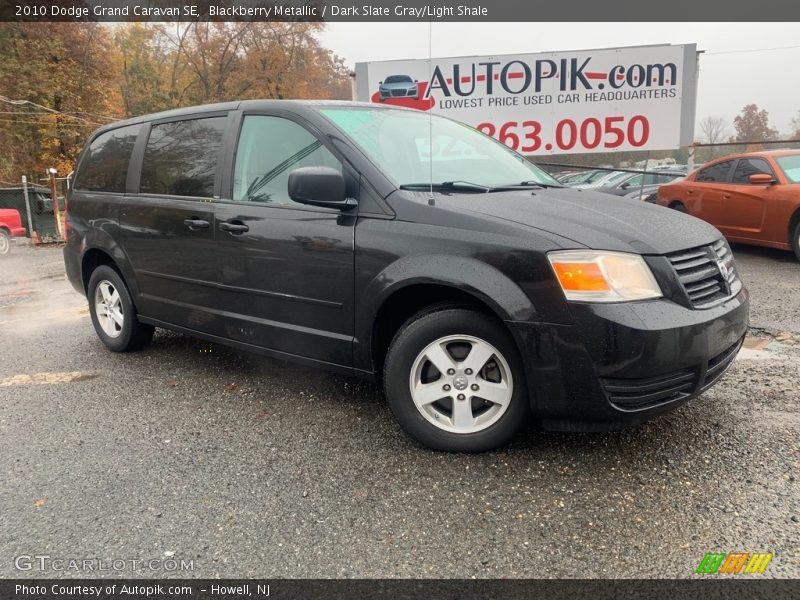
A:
[(28, 209), (51, 173)]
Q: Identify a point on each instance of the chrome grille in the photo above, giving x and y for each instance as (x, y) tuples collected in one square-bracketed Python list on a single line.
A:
[(707, 274)]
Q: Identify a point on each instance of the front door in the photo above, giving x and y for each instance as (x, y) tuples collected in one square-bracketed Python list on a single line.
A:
[(168, 228), (704, 195), (286, 268), (747, 202)]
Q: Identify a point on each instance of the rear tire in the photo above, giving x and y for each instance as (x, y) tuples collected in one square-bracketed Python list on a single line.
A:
[(454, 381), (5, 242), (796, 240), (679, 206), (113, 313)]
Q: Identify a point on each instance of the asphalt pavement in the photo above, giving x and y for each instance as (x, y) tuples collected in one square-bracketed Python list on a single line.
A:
[(240, 466)]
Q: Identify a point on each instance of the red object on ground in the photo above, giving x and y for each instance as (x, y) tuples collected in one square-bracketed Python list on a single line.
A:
[(11, 221)]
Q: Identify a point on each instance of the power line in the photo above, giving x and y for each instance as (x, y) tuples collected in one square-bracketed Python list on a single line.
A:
[(49, 123), (57, 112), (752, 50)]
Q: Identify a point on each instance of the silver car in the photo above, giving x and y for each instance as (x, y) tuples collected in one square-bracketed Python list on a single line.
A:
[(398, 86)]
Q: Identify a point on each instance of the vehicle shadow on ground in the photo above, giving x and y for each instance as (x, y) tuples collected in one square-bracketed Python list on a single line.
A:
[(333, 392)]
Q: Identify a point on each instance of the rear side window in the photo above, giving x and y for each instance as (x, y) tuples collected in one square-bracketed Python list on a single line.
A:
[(181, 157), (105, 166), (717, 172), (750, 166)]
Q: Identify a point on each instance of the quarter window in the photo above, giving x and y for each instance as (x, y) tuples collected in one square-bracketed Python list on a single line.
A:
[(715, 173), (750, 166), (181, 157), (105, 166), (269, 149)]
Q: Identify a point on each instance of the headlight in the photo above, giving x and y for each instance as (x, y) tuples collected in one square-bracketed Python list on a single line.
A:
[(595, 276)]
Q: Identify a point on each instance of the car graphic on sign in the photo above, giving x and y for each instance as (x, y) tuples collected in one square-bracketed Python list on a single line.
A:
[(398, 86)]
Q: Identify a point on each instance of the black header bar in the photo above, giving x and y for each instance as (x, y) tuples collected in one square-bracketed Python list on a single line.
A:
[(533, 11)]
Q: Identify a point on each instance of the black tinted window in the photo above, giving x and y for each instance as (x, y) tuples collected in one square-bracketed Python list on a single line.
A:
[(750, 166), (181, 157), (717, 172), (105, 166), (269, 149)]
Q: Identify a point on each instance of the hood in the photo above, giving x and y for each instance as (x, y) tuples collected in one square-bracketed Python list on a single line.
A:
[(594, 220)]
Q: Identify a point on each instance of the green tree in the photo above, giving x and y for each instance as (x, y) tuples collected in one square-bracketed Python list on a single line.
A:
[(141, 68)]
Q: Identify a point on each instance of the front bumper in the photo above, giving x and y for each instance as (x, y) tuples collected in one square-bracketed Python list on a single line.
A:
[(621, 364)]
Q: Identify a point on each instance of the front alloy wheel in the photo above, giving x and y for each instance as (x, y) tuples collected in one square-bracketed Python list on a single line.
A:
[(454, 380), (461, 384)]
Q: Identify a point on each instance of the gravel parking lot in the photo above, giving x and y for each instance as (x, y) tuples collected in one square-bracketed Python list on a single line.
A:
[(249, 467)]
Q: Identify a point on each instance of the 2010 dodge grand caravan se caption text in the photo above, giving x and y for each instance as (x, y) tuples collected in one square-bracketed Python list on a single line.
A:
[(411, 249)]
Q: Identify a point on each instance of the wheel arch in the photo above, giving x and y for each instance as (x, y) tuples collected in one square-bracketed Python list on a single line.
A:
[(793, 222), (407, 287)]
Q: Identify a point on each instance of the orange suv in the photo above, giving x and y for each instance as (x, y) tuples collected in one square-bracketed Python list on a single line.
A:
[(751, 198)]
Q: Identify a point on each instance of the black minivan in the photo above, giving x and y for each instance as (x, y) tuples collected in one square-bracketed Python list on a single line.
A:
[(406, 248)]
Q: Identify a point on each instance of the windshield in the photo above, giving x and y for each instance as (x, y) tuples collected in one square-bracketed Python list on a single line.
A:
[(790, 165), (398, 79), (401, 144)]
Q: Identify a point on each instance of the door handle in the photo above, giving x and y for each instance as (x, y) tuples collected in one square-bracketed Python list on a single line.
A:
[(234, 227), (195, 223), (690, 191), (726, 196)]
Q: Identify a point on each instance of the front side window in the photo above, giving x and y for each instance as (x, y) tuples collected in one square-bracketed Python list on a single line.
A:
[(750, 166), (105, 166), (414, 148), (269, 149), (181, 157), (715, 173)]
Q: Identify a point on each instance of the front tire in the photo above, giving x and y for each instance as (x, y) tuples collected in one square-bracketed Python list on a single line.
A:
[(5, 242), (679, 206), (454, 380), (796, 240), (113, 313)]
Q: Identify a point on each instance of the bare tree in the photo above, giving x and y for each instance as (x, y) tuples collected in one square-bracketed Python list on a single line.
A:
[(714, 130)]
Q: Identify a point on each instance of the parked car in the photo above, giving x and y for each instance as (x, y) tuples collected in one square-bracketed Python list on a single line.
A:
[(398, 86), (604, 178), (574, 177), (471, 284), (632, 184), (752, 198), (10, 226)]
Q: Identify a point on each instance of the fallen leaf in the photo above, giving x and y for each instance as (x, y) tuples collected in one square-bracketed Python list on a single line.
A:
[(39, 503)]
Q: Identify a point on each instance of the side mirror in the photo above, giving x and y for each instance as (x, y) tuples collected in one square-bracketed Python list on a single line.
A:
[(319, 186), (380, 83), (761, 179), (415, 81), (625, 186)]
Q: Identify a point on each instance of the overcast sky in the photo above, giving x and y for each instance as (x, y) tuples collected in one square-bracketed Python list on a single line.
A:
[(727, 81)]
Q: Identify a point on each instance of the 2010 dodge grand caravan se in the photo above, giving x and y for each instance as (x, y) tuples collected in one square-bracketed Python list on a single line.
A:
[(411, 249)]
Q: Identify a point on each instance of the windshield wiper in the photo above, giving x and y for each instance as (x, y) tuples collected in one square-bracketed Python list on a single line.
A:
[(532, 183), (448, 186)]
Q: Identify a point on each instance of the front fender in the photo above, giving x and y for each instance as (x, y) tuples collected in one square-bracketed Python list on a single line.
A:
[(479, 279)]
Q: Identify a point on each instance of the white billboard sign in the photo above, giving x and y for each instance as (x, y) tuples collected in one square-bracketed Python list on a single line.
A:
[(635, 98)]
